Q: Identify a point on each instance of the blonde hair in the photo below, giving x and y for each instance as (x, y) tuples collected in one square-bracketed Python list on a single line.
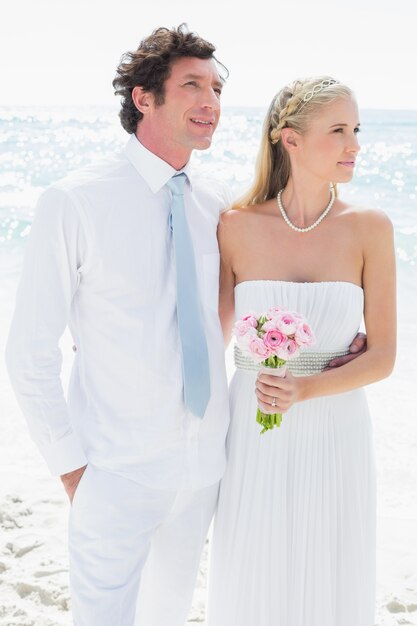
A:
[(292, 107)]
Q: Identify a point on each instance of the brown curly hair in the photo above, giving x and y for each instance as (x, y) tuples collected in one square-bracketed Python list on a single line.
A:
[(150, 65)]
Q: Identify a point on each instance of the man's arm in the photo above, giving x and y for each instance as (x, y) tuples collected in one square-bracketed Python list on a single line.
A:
[(53, 259)]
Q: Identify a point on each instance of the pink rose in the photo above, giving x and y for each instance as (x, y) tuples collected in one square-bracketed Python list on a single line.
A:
[(271, 324), (288, 350), (251, 319), (244, 340), (259, 351), (242, 327), (273, 339), (304, 335), (287, 323), (291, 348)]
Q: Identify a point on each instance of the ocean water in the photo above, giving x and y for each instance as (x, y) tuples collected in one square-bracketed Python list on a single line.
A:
[(41, 145)]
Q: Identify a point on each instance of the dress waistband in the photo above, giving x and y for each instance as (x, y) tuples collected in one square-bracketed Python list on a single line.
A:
[(306, 364)]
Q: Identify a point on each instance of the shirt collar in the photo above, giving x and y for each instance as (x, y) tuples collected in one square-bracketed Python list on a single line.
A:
[(155, 171)]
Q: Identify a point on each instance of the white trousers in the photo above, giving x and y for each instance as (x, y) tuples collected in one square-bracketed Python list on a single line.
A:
[(134, 551)]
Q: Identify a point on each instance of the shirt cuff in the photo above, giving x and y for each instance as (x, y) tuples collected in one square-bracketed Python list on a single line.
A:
[(64, 455)]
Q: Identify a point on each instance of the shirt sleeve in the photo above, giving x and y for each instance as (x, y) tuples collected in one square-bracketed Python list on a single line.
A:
[(227, 198), (51, 271)]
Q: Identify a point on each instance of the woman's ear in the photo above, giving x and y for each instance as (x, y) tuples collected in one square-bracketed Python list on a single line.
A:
[(290, 139)]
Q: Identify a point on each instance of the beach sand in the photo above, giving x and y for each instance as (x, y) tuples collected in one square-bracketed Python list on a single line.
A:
[(34, 508)]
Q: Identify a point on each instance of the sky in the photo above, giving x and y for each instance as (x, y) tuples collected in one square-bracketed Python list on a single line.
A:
[(65, 51)]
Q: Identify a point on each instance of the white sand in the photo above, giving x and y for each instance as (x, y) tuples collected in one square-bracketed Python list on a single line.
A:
[(34, 508)]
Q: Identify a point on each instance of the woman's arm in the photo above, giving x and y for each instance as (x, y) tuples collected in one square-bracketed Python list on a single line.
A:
[(227, 277), (380, 321)]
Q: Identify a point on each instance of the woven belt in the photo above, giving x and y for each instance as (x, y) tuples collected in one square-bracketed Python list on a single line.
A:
[(306, 364)]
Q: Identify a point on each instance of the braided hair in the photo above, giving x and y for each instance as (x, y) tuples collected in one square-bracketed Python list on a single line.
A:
[(292, 107)]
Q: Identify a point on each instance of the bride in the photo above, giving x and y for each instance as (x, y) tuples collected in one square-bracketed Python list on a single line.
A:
[(294, 536)]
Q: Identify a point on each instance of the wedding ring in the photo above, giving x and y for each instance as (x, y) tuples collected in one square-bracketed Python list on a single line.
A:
[(274, 402)]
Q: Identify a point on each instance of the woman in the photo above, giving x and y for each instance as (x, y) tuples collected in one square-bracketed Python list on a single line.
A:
[(294, 536)]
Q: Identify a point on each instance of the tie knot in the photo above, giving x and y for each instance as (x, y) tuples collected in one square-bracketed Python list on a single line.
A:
[(176, 184)]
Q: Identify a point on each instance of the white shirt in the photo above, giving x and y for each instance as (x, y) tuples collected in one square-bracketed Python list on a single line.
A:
[(100, 260)]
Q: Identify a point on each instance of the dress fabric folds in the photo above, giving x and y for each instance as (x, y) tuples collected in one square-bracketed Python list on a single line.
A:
[(294, 535)]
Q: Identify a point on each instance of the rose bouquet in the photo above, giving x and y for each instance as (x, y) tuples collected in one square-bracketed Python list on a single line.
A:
[(271, 339)]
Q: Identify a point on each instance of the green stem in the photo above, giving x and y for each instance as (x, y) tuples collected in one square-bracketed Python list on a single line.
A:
[(268, 420)]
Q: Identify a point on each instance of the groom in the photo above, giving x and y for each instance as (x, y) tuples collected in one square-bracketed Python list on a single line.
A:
[(125, 253)]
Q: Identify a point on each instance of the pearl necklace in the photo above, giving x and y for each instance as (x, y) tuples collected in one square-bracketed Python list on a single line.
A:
[(316, 223)]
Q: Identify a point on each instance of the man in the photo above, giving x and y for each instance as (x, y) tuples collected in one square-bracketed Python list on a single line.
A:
[(139, 444), (102, 256)]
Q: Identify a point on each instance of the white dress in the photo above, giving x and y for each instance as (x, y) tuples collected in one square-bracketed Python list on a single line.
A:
[(294, 536)]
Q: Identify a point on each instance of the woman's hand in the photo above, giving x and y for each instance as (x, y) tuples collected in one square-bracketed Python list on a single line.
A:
[(277, 394)]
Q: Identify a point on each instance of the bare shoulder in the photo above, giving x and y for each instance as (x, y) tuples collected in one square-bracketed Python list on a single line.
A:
[(377, 226), (369, 221), (375, 233), (374, 217), (235, 227), (226, 230), (229, 218), (236, 221), (238, 215)]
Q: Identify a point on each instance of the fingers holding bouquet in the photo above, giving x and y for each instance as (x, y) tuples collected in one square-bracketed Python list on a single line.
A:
[(276, 394)]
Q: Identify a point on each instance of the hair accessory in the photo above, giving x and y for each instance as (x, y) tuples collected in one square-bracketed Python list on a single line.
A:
[(319, 87)]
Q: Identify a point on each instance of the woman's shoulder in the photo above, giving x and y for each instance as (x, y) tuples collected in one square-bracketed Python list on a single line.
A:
[(242, 215), (367, 217), (237, 225), (230, 226), (371, 228)]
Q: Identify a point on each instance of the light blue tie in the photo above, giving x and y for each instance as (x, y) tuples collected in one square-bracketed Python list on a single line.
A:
[(195, 362)]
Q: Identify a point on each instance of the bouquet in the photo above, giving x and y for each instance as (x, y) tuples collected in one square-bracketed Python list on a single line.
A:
[(271, 339)]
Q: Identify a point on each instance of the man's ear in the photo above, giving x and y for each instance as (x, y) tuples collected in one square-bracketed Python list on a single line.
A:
[(142, 99), (290, 139)]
